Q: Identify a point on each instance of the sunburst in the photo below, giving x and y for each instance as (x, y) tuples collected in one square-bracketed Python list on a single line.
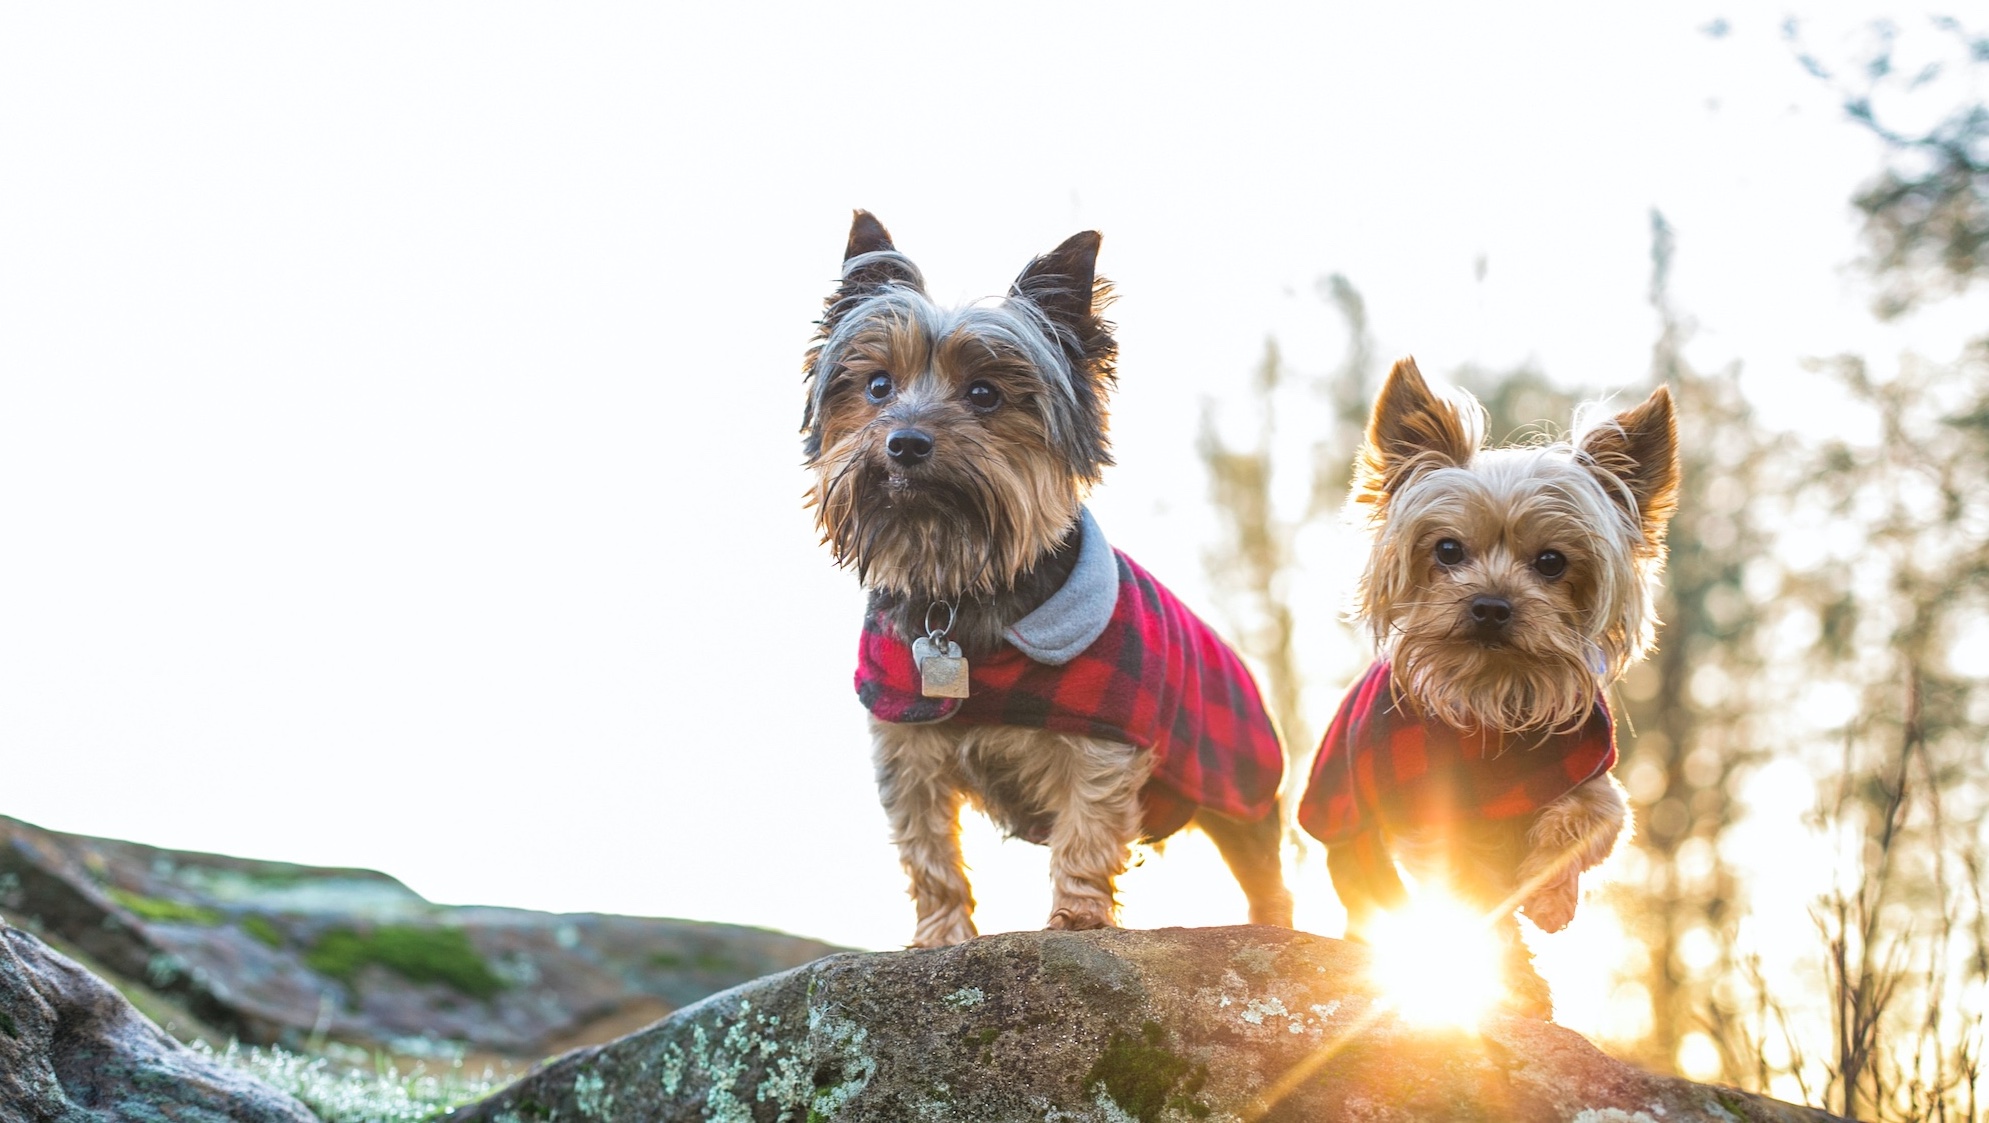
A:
[(1435, 962)]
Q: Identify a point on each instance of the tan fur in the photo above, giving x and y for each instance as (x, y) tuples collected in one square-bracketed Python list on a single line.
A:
[(1411, 430), (1253, 853), (1602, 500), (1639, 447), (1571, 636), (998, 413), (1032, 500), (1089, 786), (1573, 835)]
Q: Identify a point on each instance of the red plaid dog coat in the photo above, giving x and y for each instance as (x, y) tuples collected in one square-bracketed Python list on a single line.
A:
[(1155, 677), (1381, 766)]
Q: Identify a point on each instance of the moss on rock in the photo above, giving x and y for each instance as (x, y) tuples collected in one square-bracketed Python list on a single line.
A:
[(1144, 1078), (1175, 1026), (420, 955)]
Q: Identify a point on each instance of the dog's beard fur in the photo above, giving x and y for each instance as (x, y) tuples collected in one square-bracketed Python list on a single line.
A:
[(1567, 637), (1002, 488), (1601, 500), (974, 520)]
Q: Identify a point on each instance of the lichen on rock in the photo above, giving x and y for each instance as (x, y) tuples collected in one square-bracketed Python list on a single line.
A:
[(1217, 1025)]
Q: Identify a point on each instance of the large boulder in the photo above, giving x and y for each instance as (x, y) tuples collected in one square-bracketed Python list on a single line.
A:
[(1238, 1024), (279, 953), (72, 1050)]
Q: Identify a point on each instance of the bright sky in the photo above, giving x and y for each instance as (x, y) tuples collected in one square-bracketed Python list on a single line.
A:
[(398, 402)]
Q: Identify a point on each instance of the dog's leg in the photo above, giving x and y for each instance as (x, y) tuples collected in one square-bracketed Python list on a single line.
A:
[(922, 801), (1571, 835), (1093, 788), (1365, 878), (1254, 854), (1526, 992), (1479, 862)]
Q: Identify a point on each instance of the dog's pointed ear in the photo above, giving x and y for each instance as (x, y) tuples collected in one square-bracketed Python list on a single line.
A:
[(1064, 282), (1638, 450), (866, 235), (871, 261), (1410, 431)]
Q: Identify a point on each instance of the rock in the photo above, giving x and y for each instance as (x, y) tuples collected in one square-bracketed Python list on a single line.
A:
[(277, 953), (1218, 1024), (72, 1050)]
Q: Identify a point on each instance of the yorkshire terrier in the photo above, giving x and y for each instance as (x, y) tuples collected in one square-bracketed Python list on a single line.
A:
[(1011, 659), (1505, 590)]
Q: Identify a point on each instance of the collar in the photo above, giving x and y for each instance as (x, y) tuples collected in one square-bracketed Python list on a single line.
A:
[(1076, 614)]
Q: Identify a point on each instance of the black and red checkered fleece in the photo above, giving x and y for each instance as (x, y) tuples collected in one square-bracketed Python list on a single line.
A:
[(1157, 678), (1382, 767)]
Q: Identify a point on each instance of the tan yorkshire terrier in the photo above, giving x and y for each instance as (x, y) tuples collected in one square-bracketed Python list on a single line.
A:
[(1011, 659), (1505, 589)]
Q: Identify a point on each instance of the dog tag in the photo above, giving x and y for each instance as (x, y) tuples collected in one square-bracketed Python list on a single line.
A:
[(942, 674)]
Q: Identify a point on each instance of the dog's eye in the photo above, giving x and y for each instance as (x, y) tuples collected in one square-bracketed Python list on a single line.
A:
[(983, 396), (1450, 551), (1550, 563), (879, 388)]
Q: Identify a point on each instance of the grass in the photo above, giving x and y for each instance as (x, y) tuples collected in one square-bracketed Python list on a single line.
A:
[(162, 910), (262, 930), (420, 955), (337, 1096)]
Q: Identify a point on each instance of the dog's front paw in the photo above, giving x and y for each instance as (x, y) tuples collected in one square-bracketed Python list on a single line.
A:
[(1552, 906), (1080, 918), (944, 929)]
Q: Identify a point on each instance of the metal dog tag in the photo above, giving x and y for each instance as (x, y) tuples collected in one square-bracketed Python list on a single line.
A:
[(942, 674)]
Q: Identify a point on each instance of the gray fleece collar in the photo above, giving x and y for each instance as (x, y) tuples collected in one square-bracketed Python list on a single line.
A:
[(1075, 615)]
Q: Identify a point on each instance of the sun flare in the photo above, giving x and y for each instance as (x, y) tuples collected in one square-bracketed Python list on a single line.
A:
[(1435, 962)]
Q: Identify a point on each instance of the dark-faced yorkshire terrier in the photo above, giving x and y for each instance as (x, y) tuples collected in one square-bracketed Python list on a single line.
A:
[(1505, 590), (1010, 658)]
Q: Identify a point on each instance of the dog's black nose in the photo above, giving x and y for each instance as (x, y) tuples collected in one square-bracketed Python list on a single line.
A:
[(908, 447), (1491, 613)]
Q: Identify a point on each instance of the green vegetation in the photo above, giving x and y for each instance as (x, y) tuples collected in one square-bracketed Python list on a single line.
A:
[(527, 1107), (382, 1096), (7, 1025), (1733, 1105), (1144, 1078), (165, 911), (982, 1041), (421, 955), (262, 930)]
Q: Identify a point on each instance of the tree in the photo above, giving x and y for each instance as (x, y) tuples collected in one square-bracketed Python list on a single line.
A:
[(1926, 213), (1692, 716), (1253, 562)]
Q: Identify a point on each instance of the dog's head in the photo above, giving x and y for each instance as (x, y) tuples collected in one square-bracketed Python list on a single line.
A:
[(951, 447), (1508, 586)]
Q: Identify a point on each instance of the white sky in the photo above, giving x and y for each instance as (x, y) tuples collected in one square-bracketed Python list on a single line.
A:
[(398, 461)]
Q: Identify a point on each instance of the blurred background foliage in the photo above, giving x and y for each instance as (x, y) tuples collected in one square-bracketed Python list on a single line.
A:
[(1826, 630)]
